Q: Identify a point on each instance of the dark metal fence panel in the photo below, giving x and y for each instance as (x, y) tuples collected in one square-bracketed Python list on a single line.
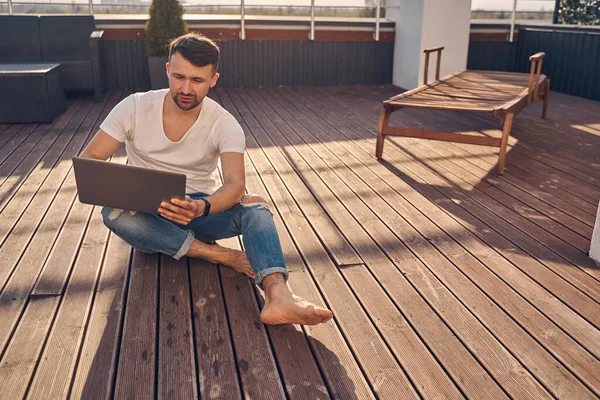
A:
[(254, 63), (125, 65), (492, 56), (272, 63), (572, 58)]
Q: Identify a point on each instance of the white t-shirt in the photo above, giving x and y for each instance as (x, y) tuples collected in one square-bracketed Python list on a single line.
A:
[(138, 121)]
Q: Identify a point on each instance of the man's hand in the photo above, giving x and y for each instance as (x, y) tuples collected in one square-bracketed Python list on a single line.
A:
[(181, 211)]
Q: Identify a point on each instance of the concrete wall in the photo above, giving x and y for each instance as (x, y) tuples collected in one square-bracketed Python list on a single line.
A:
[(595, 245), (408, 15), (428, 23)]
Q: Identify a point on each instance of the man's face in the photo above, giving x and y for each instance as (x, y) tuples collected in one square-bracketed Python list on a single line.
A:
[(188, 83)]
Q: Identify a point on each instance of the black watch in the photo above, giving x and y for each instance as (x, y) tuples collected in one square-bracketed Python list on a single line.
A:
[(206, 206)]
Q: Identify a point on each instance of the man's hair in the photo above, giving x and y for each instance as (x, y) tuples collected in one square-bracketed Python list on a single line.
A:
[(197, 49)]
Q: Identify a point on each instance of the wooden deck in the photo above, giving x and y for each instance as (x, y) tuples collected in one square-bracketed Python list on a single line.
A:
[(446, 280)]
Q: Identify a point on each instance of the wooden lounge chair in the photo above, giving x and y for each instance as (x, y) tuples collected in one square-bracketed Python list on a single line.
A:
[(502, 94)]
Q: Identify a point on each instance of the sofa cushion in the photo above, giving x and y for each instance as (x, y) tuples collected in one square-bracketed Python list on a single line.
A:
[(66, 37), (20, 38)]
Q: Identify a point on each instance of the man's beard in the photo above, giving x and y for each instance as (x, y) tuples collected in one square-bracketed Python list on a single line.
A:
[(185, 105)]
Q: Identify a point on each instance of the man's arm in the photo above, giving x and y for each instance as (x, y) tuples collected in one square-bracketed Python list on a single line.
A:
[(232, 191), (101, 147), (234, 184)]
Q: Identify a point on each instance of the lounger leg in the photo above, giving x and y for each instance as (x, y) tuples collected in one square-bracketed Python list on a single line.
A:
[(505, 135), (384, 119), (546, 94)]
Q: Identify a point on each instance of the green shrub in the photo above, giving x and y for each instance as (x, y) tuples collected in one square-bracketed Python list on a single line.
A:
[(579, 12), (165, 24)]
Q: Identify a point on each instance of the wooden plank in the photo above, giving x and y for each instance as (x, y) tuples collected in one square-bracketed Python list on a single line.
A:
[(409, 93), (466, 179), (53, 277), (22, 154), (176, 365), (445, 136), (10, 161), (26, 135), (16, 292), (27, 259), (490, 288), (561, 163), (573, 185), (256, 365), (58, 361), (546, 209), (41, 177), (30, 170), (20, 359), (4, 127), (217, 372), (17, 242), (136, 374), (13, 132), (97, 364), (428, 376), (520, 179), (452, 106)]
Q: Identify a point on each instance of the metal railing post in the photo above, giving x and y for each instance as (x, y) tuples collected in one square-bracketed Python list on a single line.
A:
[(377, 18), (512, 22), (242, 20), (312, 20)]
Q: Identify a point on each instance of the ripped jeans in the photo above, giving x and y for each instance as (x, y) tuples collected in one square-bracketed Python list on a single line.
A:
[(150, 233)]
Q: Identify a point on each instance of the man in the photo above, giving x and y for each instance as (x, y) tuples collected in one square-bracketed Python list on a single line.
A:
[(181, 130)]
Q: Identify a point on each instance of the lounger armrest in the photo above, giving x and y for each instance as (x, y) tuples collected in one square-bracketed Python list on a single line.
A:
[(432, 49), (95, 39), (537, 56)]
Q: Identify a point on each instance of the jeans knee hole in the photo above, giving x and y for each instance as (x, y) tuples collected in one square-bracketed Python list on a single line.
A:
[(114, 214)]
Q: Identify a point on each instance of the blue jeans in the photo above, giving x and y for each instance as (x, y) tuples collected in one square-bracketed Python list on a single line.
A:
[(151, 233)]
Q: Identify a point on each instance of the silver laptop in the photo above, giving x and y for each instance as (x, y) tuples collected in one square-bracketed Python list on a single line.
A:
[(127, 187)]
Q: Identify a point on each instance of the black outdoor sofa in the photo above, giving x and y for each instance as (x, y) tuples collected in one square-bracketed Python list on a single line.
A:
[(41, 57)]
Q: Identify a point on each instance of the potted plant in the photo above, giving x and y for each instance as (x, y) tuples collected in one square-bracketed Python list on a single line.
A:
[(164, 24)]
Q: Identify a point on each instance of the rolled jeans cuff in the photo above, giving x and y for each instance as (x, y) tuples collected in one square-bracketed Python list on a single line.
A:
[(262, 274), (185, 247)]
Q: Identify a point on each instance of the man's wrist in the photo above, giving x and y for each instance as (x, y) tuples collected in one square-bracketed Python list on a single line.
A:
[(204, 207)]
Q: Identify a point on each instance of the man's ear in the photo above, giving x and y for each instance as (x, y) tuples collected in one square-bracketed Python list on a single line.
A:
[(214, 80)]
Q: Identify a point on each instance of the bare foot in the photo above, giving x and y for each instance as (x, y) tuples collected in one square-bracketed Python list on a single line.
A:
[(283, 307), (293, 310), (239, 261), (221, 255)]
